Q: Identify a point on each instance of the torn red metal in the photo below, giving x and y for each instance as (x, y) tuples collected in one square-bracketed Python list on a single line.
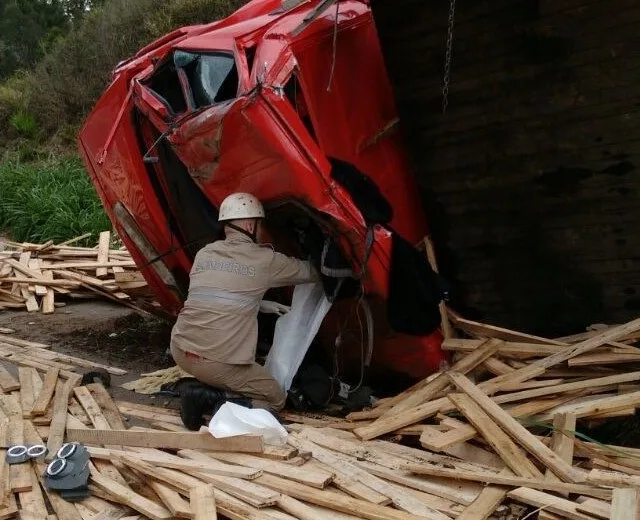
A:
[(266, 101)]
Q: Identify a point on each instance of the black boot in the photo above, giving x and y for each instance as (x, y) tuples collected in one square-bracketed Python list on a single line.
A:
[(197, 400)]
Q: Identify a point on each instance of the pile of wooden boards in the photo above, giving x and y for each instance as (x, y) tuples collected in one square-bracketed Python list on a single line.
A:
[(38, 276), (492, 437)]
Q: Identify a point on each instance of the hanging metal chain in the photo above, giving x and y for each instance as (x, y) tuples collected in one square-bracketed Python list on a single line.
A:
[(448, 56)]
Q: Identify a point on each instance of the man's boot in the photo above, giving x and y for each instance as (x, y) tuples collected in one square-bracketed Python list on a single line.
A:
[(196, 400)]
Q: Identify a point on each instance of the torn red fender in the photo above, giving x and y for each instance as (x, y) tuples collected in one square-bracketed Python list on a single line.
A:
[(282, 100)]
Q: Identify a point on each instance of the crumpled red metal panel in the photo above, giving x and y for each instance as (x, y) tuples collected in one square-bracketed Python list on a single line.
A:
[(259, 143)]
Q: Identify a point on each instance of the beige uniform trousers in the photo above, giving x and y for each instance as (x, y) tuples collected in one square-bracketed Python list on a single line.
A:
[(252, 380)]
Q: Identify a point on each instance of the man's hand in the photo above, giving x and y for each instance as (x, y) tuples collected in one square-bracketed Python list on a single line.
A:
[(269, 307)]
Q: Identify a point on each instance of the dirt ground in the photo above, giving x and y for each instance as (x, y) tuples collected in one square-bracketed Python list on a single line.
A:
[(102, 332)]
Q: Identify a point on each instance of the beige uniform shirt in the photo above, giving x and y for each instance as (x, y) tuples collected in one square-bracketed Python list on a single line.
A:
[(219, 320)]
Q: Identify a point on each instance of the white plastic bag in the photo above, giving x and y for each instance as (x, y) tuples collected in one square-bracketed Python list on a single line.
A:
[(232, 419), (295, 332)]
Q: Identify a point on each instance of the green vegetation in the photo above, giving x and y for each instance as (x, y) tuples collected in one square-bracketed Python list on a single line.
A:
[(56, 57), (49, 200)]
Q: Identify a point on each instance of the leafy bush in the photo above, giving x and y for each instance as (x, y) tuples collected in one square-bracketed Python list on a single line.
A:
[(67, 82), (12, 100), (52, 200), (24, 123)]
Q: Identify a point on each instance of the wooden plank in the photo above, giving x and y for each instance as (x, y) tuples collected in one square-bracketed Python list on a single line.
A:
[(562, 440), (109, 408), (334, 500), (604, 358), (511, 481), (486, 503), (48, 300), (612, 478), (34, 264), (437, 385), (463, 493), (91, 408), (256, 495), (598, 406), (103, 253), (15, 429), (598, 508), (89, 265), (27, 397), (126, 496), (508, 348), (59, 418), (400, 498), (8, 383), (148, 415), (199, 462), (518, 432), (461, 450), (32, 501), (483, 330), (46, 393), (314, 478), (445, 325), (510, 453), (350, 486), (10, 507), (178, 506), (550, 503), (278, 452), (23, 343), (20, 478), (624, 505), (170, 440), (203, 503)]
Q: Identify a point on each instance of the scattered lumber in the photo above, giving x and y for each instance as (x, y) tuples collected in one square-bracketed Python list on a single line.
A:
[(41, 277), (495, 435)]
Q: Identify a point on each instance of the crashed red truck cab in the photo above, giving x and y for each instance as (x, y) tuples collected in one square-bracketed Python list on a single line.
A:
[(292, 104)]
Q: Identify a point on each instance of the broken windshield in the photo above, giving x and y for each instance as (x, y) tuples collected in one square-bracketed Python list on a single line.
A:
[(213, 78)]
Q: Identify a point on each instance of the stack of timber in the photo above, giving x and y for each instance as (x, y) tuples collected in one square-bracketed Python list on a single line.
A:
[(492, 437), (38, 276)]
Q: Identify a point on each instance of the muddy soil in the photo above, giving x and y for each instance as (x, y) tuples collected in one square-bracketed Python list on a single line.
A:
[(102, 332)]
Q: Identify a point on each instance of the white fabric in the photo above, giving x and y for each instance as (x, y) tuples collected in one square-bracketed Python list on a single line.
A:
[(295, 332), (232, 419)]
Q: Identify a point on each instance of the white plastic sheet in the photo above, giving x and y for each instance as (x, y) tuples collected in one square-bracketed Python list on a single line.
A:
[(295, 332), (232, 419)]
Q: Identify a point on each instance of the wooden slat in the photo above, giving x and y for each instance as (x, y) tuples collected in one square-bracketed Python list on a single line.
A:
[(200, 462), (46, 393), (32, 501), (334, 500), (511, 481), (518, 432), (59, 419), (551, 503), (27, 397), (562, 440), (314, 478), (126, 496), (108, 407), (486, 503), (8, 383), (178, 506), (48, 300), (510, 453), (103, 253), (203, 503), (400, 498), (171, 440)]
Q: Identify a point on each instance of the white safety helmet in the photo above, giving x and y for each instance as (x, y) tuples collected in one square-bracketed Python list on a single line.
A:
[(240, 206)]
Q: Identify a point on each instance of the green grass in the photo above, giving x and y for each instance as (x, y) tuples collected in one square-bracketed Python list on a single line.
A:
[(50, 200)]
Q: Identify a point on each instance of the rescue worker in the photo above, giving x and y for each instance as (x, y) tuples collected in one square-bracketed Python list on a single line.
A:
[(215, 336)]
